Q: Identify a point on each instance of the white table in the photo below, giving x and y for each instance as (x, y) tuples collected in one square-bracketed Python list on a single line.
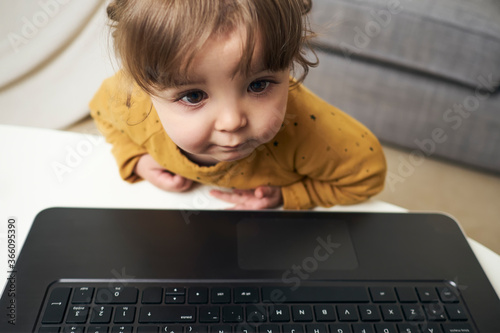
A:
[(42, 168)]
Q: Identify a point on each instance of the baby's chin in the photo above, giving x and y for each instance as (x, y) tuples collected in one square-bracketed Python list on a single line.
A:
[(233, 156), (212, 159)]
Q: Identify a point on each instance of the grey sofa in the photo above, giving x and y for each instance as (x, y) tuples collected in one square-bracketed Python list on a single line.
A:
[(423, 74)]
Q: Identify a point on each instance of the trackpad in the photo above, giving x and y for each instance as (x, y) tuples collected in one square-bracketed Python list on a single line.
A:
[(312, 244)]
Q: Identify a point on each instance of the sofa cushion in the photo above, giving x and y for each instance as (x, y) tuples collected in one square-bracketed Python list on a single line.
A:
[(431, 117), (454, 39)]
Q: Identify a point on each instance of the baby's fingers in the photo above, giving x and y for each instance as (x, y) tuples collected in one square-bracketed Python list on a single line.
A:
[(170, 182), (263, 191), (236, 196)]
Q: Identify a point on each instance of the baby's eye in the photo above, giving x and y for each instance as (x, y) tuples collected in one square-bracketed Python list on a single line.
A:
[(193, 97), (258, 86)]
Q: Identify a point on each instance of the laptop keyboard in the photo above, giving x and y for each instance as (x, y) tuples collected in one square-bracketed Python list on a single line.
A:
[(113, 306)]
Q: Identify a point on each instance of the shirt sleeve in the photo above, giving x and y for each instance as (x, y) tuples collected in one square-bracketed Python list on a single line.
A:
[(345, 190), (106, 110), (341, 162)]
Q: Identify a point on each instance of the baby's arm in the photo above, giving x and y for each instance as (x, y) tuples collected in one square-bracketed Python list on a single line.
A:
[(135, 163), (153, 172), (111, 109), (126, 152), (349, 171), (340, 161)]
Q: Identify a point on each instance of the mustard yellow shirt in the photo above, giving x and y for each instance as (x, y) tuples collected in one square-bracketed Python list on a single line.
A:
[(320, 157)]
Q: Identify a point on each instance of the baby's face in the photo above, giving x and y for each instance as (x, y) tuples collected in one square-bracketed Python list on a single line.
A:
[(219, 116)]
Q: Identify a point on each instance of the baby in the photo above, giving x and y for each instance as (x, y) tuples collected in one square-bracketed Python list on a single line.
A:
[(206, 96)]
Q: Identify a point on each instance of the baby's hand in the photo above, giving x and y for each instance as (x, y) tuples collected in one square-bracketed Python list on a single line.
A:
[(261, 198), (153, 172)]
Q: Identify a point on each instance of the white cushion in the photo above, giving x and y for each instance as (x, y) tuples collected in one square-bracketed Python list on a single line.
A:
[(53, 57)]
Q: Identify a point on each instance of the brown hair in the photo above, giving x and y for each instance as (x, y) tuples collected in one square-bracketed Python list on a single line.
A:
[(156, 40)]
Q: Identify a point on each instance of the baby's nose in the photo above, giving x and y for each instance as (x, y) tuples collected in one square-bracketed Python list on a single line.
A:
[(231, 120)]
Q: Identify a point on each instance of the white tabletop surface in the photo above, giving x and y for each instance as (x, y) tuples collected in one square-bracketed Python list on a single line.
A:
[(42, 168)]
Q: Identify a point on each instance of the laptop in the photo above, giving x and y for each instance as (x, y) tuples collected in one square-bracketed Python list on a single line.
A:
[(176, 271)]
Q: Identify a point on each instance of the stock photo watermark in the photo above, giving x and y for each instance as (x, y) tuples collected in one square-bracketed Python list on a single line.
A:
[(115, 286), (294, 277), (363, 36), (298, 273), (11, 286), (75, 155), (33, 24), (453, 118)]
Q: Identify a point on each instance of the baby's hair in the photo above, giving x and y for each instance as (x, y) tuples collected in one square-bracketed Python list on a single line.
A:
[(157, 40)]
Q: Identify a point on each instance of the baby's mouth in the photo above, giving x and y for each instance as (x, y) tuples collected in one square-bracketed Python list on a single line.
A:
[(247, 144), (234, 147)]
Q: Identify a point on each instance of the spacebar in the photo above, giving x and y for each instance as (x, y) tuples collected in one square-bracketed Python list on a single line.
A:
[(314, 294), (167, 314)]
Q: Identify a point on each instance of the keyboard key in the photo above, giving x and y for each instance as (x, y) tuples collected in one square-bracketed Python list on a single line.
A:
[(434, 312), (244, 328), (362, 328), (369, 313), (455, 312), (413, 312), (73, 329), (316, 328), (408, 328), (209, 314), (448, 294), (56, 305), (220, 329), (302, 313), (246, 295), (293, 328), (77, 315), (173, 329), (232, 314), (116, 295), (124, 315), (99, 329), (101, 314), (221, 295), (324, 313), (49, 330), (198, 295), (196, 329), (152, 295), (167, 314), (317, 294), (175, 299), (279, 313), (427, 294), (122, 329), (256, 314), (82, 295), (147, 329), (175, 291), (339, 328), (457, 327), (347, 312), (386, 328), (406, 295), (383, 294), (391, 313), (270, 328), (430, 328)]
